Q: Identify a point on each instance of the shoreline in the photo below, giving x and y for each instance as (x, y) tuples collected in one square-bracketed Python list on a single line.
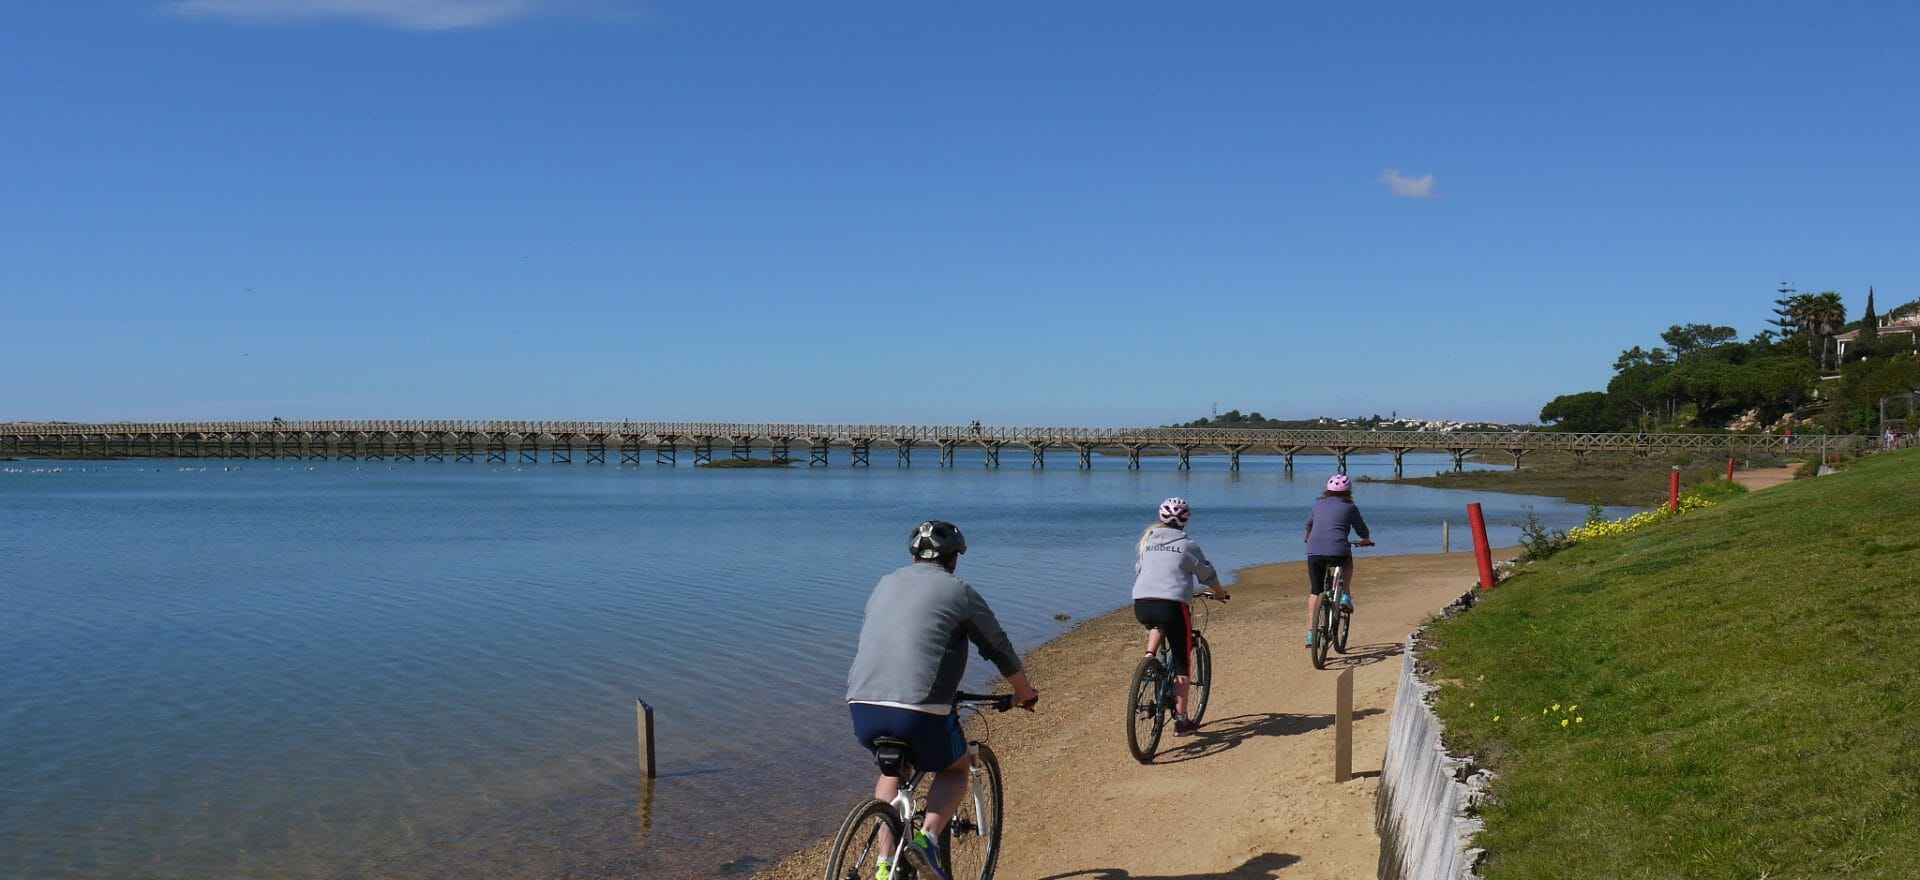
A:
[(1252, 791)]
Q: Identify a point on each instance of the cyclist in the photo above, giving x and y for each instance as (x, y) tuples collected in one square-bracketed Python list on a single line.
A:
[(912, 654), (1333, 517), (1167, 565)]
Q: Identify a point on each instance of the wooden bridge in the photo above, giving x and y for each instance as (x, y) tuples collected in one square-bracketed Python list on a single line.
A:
[(634, 442)]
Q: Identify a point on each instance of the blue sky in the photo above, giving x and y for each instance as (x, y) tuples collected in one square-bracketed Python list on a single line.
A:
[(1024, 213)]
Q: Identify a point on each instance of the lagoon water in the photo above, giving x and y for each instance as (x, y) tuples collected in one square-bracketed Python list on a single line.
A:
[(395, 669)]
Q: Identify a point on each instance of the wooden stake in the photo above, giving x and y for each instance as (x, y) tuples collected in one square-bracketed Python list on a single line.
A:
[(1343, 726), (644, 715)]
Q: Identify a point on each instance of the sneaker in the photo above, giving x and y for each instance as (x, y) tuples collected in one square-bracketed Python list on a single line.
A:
[(1184, 727), (1309, 639), (1346, 603), (883, 871), (926, 851)]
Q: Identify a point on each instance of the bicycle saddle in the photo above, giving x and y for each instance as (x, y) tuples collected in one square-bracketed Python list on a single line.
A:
[(893, 755)]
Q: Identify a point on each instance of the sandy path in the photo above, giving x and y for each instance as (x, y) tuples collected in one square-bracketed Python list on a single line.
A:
[(1764, 478), (1251, 795)]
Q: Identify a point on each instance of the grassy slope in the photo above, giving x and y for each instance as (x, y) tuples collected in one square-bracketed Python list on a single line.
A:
[(1749, 676)]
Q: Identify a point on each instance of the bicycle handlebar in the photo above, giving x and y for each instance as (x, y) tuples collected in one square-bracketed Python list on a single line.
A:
[(1207, 594), (998, 702)]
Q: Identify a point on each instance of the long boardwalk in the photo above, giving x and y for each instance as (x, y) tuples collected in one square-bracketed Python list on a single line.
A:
[(664, 442)]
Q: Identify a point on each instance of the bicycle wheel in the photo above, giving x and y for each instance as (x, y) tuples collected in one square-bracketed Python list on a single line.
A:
[(863, 840), (971, 843), (1342, 624), (1146, 712), (1199, 679), (1323, 630)]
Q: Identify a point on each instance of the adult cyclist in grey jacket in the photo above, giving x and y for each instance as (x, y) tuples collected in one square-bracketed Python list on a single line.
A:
[(912, 655), (1168, 565)]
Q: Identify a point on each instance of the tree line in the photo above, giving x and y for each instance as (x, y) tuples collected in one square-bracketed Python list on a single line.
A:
[(1703, 377)]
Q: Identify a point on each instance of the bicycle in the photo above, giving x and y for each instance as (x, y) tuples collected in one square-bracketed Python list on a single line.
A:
[(877, 829), (1334, 620), (1150, 695)]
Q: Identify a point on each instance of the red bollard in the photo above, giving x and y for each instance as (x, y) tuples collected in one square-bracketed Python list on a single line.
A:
[(1481, 551), (1673, 490), (1729, 470)]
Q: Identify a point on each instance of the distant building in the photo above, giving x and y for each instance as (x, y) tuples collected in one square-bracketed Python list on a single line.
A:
[(1895, 330)]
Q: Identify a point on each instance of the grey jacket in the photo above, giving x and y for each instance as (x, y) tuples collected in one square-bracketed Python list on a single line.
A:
[(913, 641), (1328, 525), (1169, 565)]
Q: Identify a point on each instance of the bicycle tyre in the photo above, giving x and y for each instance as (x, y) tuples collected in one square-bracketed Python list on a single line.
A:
[(1199, 679), (971, 843), (1145, 712), (1342, 625), (856, 848), (1322, 631)]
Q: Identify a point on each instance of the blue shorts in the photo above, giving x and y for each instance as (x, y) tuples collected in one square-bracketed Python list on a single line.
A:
[(935, 740)]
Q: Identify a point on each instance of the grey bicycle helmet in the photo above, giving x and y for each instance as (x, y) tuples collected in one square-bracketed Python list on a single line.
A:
[(935, 539)]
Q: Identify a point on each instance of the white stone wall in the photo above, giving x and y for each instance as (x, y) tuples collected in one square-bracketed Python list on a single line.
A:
[(1426, 796)]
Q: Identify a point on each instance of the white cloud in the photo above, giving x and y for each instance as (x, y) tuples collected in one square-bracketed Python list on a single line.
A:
[(412, 15), (1408, 187)]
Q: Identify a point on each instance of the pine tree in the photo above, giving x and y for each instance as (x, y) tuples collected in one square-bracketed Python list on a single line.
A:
[(1869, 338)]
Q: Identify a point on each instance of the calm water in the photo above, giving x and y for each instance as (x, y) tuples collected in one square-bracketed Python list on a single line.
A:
[(363, 669)]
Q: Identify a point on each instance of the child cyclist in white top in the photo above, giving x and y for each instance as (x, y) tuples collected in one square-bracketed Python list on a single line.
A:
[(1167, 566)]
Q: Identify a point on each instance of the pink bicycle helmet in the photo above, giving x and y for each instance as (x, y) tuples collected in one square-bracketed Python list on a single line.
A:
[(1339, 483), (1175, 512)]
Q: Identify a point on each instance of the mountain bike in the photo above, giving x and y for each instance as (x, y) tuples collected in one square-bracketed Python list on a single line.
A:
[(1150, 695), (877, 829), (1334, 620)]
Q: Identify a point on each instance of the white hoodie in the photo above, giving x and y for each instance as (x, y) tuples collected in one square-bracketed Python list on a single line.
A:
[(1169, 564)]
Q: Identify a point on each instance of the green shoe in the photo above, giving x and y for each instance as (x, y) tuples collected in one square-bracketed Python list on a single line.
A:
[(926, 850)]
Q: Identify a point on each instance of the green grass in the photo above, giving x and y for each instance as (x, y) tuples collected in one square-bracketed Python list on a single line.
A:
[(1749, 676)]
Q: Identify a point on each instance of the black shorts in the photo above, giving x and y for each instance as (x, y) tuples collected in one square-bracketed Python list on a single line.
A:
[(1174, 620), (1319, 566)]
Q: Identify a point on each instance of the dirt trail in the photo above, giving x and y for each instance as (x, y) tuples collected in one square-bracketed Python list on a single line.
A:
[(1249, 796), (1764, 478)]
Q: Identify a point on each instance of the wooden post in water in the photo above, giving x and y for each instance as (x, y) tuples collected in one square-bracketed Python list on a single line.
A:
[(1446, 536), (1343, 726), (644, 715)]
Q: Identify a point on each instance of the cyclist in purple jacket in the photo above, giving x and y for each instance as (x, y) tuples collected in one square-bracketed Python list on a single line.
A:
[(1334, 516)]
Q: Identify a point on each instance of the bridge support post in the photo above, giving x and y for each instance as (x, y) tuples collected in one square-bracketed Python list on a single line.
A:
[(1233, 456), (992, 448), (463, 447), (741, 448), (946, 453), (1459, 459), (496, 449), (862, 452), (1186, 451), (1399, 463), (561, 452), (1517, 453), (782, 449), (817, 453), (597, 449), (1133, 456), (403, 448), (1039, 456), (702, 450), (1340, 459), (437, 448), (903, 452), (1086, 455), (666, 451), (529, 449)]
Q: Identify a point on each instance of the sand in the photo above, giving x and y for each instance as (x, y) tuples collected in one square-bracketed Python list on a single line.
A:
[(1251, 795)]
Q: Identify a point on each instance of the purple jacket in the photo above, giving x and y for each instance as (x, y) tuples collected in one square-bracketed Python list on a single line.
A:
[(1328, 525)]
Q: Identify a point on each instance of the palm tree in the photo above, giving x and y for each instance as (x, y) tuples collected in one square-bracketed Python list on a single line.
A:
[(1825, 314)]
